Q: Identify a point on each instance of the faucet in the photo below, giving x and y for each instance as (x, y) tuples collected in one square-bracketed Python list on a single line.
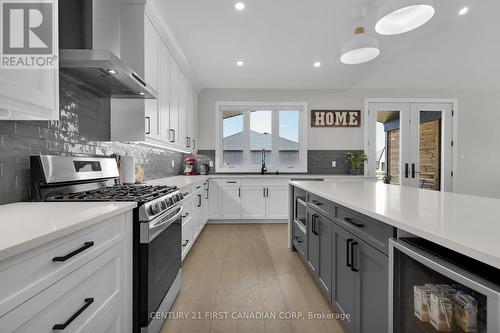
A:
[(263, 168)]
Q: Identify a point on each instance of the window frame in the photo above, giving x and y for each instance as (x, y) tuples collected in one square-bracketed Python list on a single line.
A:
[(246, 108)]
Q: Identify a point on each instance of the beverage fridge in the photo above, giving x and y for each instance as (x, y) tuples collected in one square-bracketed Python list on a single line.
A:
[(433, 289)]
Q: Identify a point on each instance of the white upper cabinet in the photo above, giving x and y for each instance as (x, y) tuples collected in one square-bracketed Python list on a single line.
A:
[(152, 45), (175, 74), (31, 94), (165, 121), (192, 119), (165, 63)]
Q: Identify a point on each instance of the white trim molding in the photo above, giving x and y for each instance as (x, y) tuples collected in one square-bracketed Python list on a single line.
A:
[(369, 137), (302, 107)]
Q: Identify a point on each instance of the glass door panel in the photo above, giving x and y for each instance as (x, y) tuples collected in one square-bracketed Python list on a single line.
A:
[(391, 138), (430, 146)]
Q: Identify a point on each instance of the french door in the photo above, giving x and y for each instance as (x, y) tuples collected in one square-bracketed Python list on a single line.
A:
[(410, 144)]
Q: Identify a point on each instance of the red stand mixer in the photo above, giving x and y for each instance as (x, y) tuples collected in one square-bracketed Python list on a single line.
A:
[(189, 166)]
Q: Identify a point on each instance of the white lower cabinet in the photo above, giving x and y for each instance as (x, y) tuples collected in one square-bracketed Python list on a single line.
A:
[(215, 195), (231, 202), (248, 198), (93, 296), (277, 202), (195, 215), (253, 203)]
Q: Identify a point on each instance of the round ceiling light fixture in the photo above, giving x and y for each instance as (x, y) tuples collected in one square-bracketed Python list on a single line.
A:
[(317, 64), (463, 11), (240, 63), (360, 49), (400, 16), (239, 6)]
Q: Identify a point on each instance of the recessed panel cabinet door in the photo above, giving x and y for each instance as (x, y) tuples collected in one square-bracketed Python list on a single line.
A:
[(231, 202), (344, 294), (372, 289), (324, 228), (277, 203), (253, 203), (312, 241)]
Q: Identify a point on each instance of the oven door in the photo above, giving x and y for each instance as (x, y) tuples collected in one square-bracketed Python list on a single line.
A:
[(159, 267), (427, 293)]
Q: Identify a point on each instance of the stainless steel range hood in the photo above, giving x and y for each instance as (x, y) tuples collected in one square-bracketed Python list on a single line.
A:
[(84, 25)]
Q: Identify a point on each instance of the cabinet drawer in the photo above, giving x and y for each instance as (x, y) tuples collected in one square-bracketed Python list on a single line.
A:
[(264, 182), (320, 204), (299, 240), (232, 182), (88, 294), (373, 232), (22, 278)]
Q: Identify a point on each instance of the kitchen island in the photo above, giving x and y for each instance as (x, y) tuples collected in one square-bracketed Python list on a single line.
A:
[(365, 243)]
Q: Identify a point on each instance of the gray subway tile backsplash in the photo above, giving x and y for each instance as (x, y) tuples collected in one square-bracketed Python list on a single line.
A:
[(83, 130)]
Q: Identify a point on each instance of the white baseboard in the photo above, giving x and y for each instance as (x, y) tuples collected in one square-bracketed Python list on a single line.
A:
[(245, 221)]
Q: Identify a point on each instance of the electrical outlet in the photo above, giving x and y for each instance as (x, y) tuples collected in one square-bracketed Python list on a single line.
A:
[(211, 163), (173, 163), (334, 164)]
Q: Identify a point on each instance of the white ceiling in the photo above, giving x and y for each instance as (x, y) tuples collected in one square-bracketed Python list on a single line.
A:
[(279, 40)]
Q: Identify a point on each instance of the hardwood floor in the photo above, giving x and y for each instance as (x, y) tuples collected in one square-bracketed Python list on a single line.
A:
[(247, 269)]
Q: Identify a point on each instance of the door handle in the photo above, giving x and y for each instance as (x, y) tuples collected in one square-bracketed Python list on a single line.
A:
[(87, 301), (313, 227), (347, 250), (353, 267), (149, 125), (85, 246), (406, 170), (264, 192), (413, 172), (350, 221)]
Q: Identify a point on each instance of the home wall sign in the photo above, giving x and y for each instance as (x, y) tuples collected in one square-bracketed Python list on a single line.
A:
[(335, 118)]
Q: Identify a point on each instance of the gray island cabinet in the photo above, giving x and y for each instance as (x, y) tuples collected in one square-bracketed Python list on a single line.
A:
[(347, 253)]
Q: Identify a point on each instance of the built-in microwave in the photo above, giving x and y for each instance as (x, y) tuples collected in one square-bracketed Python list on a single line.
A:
[(434, 289)]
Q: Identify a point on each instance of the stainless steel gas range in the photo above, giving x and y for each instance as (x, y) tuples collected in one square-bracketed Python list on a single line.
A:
[(157, 225)]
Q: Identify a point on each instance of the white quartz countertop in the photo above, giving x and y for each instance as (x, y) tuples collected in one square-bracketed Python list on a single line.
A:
[(181, 181), (466, 224), (26, 225)]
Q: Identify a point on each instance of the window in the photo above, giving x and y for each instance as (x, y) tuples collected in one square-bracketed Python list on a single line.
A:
[(249, 134)]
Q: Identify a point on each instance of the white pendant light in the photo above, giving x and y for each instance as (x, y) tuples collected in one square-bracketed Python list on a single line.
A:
[(399, 16), (360, 49)]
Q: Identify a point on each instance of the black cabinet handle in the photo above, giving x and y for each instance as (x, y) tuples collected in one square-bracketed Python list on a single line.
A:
[(185, 215), (87, 301), (185, 193), (406, 170), (267, 192), (347, 251), (197, 187), (194, 144), (264, 192), (313, 227), (207, 194), (413, 172), (85, 246), (172, 135), (149, 125), (317, 203), (350, 221), (353, 268), (231, 182), (186, 242), (199, 200), (239, 192), (299, 240)]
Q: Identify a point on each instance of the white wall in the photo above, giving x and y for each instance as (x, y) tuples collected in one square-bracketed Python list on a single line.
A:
[(478, 169)]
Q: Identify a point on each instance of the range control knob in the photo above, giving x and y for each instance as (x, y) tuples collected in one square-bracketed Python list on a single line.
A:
[(154, 209), (181, 196), (163, 204), (169, 201)]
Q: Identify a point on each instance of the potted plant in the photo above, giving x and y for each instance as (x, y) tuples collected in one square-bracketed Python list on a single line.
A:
[(356, 160)]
